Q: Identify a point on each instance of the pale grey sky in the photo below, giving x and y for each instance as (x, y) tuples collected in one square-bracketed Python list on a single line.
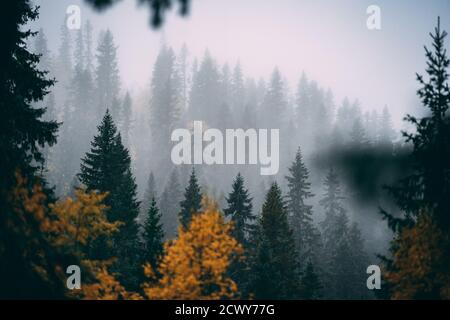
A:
[(327, 39)]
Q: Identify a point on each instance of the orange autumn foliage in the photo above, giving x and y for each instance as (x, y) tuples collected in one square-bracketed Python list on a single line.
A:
[(66, 226), (196, 263), (194, 267), (106, 287), (80, 220), (421, 262)]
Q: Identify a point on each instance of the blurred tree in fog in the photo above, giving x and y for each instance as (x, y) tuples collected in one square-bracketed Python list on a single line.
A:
[(157, 7)]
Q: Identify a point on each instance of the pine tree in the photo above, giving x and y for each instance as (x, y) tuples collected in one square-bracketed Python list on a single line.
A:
[(23, 134), (237, 90), (334, 231), (239, 209), (77, 129), (106, 168), (88, 54), (274, 265), (153, 235), (310, 286), (192, 200), (275, 102), (203, 102), (226, 84), (300, 213), (149, 194), (64, 65), (165, 102), (125, 118), (423, 196), (79, 53), (360, 262), (41, 48), (303, 102), (170, 205), (358, 135), (183, 74), (344, 257), (387, 133), (107, 73), (429, 184)]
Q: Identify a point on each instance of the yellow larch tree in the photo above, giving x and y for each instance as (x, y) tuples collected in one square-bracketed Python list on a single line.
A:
[(65, 228), (196, 263), (421, 262)]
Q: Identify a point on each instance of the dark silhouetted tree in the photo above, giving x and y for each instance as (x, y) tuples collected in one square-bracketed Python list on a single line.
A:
[(310, 285), (153, 235), (23, 134), (192, 201), (107, 168), (274, 266), (239, 209)]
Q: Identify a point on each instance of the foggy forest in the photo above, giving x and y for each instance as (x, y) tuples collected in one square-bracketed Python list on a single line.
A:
[(88, 177)]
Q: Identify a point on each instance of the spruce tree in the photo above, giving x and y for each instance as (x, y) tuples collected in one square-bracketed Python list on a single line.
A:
[(77, 129), (164, 103), (360, 261), (149, 194), (310, 285), (63, 67), (183, 75), (107, 168), (170, 205), (275, 102), (344, 258), (206, 88), (358, 135), (153, 236), (386, 132), (239, 209), (41, 48), (107, 73), (303, 104), (300, 213), (192, 201), (88, 54), (79, 53), (429, 184), (425, 193), (274, 266), (237, 90), (334, 229), (23, 134), (125, 118)]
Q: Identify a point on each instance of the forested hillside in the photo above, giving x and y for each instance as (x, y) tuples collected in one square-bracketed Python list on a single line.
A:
[(87, 179)]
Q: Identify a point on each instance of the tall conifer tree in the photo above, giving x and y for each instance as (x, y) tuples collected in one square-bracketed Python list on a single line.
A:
[(192, 201), (274, 266), (300, 213), (107, 168)]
